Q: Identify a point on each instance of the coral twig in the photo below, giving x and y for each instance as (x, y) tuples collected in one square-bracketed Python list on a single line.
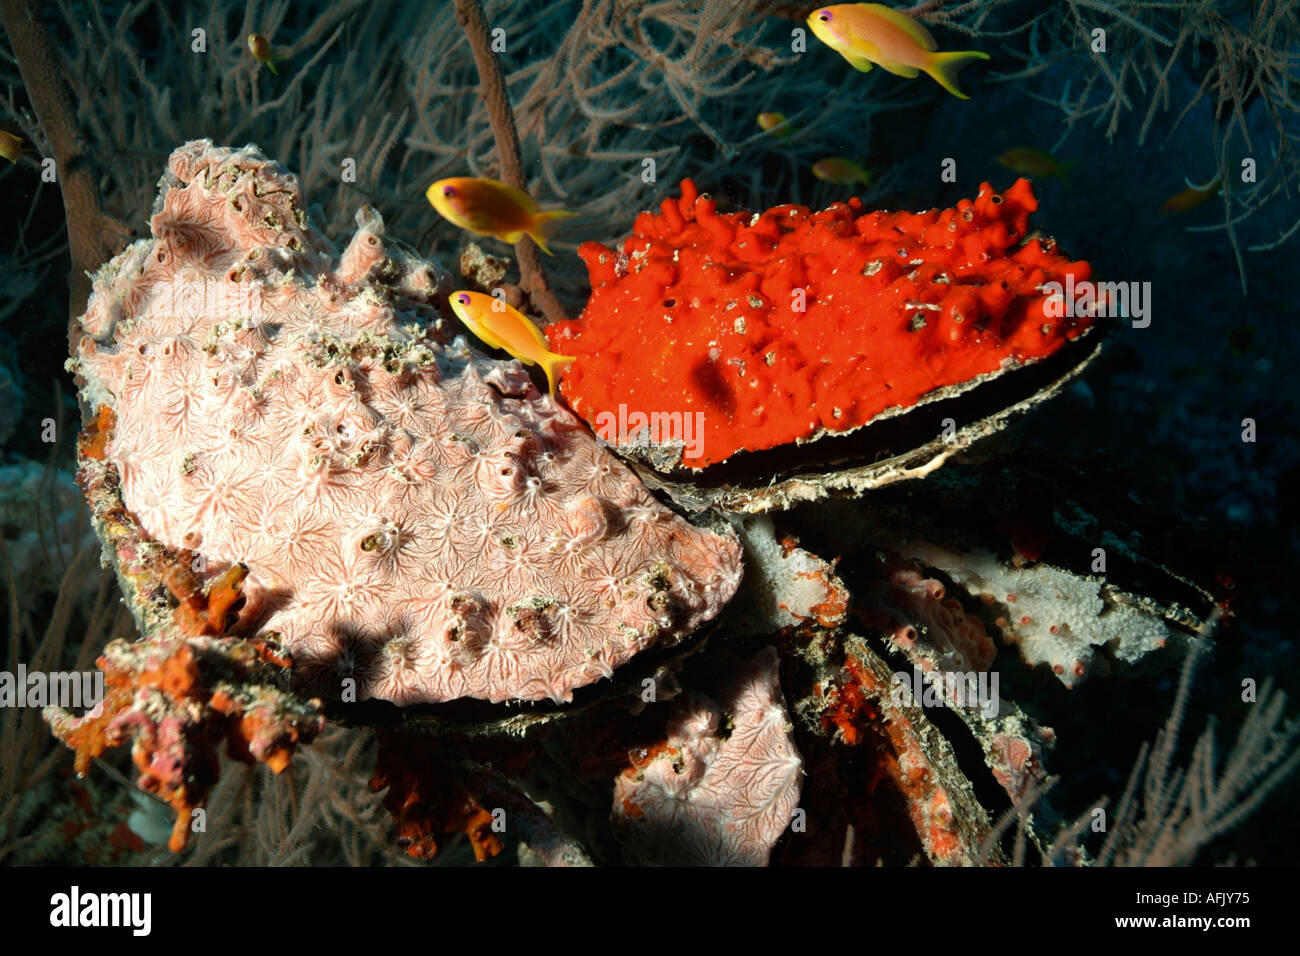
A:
[(469, 13), (93, 236)]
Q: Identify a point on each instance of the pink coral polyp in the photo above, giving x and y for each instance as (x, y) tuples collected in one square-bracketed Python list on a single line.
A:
[(414, 517)]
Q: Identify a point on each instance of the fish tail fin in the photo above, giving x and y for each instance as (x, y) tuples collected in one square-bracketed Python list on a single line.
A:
[(544, 223), (270, 65), (551, 364), (944, 68), (1066, 167)]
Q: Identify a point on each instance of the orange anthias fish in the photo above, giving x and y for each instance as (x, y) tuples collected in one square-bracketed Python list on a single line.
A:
[(836, 169), (260, 47), (1036, 162), (776, 124), (492, 208), (502, 327), (11, 146), (869, 33), (1191, 197)]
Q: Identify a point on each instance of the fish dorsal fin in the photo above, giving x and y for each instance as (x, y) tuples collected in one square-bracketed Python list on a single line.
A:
[(905, 23)]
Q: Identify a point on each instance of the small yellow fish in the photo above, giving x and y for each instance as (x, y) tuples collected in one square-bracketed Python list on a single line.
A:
[(260, 47), (1191, 197), (836, 169), (10, 146), (776, 124), (503, 327), (867, 33), (1035, 162), (492, 208)]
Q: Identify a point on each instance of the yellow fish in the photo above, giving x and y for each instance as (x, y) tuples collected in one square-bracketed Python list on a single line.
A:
[(502, 327), (836, 169), (1191, 197), (867, 33), (776, 124), (1035, 162), (260, 47), (10, 146), (492, 208)]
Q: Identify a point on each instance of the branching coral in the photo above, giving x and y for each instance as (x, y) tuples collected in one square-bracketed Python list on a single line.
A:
[(92, 235), (470, 15), (384, 99), (1161, 60), (320, 811), (1168, 813), (28, 762)]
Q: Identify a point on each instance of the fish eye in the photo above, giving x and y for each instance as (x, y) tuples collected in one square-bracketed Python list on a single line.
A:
[(463, 299), (449, 191), (823, 16)]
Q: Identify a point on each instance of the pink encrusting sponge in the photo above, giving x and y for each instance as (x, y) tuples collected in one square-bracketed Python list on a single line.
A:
[(414, 517)]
